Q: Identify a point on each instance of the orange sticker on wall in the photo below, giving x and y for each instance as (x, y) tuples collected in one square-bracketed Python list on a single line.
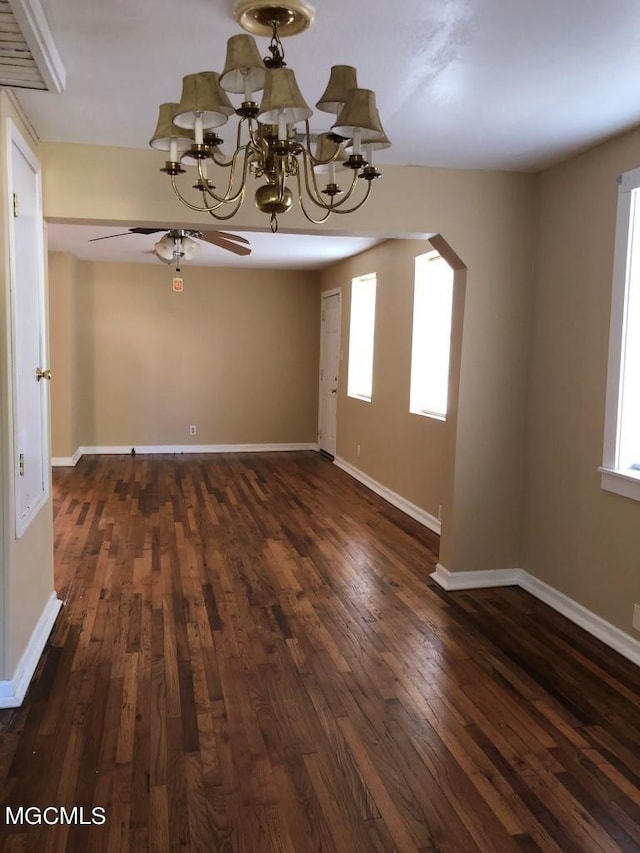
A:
[(178, 285)]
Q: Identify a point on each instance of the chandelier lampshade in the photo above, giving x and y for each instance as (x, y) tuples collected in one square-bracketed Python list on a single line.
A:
[(341, 81), (282, 99), (167, 132), (273, 141), (244, 70), (203, 99), (359, 113)]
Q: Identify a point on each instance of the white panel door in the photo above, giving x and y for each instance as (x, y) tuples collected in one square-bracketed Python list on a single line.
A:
[(28, 326), (329, 364)]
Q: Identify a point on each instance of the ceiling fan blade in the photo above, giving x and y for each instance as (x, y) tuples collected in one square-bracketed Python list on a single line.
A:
[(130, 231), (146, 230), (225, 236), (215, 238), (109, 236)]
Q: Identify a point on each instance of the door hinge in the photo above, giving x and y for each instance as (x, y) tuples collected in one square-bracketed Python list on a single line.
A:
[(15, 205), (22, 464)]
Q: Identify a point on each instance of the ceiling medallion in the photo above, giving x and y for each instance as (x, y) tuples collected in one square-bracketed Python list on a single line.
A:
[(257, 16)]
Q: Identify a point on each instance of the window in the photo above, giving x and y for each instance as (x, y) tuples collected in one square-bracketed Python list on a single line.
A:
[(621, 457), (431, 341), (361, 334)]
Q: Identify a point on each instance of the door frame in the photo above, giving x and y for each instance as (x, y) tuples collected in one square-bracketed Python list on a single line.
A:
[(16, 139), (325, 294)]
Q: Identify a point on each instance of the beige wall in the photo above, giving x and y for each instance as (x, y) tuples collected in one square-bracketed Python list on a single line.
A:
[(63, 353), (26, 564), (488, 220), (578, 538), (409, 454), (236, 354)]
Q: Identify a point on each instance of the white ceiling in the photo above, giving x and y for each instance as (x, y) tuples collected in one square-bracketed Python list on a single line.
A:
[(490, 84), (268, 251)]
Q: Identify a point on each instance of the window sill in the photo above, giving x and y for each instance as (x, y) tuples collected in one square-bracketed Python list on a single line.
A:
[(362, 397), (423, 414), (623, 482)]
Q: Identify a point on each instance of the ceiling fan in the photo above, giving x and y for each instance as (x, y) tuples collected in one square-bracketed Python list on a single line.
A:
[(179, 243)]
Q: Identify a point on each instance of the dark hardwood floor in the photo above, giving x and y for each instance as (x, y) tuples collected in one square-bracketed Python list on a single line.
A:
[(251, 657)]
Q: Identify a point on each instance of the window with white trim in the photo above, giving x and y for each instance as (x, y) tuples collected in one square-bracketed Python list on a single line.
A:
[(361, 337), (431, 339), (621, 457)]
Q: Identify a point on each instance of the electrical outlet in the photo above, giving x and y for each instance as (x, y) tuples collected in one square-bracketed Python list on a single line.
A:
[(193, 430), (636, 616), (439, 512), (357, 450)]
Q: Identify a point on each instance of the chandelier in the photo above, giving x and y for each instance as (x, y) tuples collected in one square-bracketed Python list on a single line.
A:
[(273, 143)]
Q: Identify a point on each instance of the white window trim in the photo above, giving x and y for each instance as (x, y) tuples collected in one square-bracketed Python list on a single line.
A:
[(625, 482), (432, 255), (351, 392), (423, 413)]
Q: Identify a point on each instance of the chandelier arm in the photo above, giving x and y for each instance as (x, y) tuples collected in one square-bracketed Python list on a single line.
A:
[(347, 195), (306, 149), (221, 217), (311, 218), (255, 137), (334, 208), (356, 206), (312, 186), (188, 204), (224, 164), (282, 177), (227, 163), (314, 192), (227, 198), (306, 213), (208, 209)]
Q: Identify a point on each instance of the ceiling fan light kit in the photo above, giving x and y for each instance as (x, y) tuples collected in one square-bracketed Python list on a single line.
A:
[(181, 243), (269, 145), (176, 246)]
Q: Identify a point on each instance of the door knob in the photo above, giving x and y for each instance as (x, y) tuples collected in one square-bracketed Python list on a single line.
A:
[(43, 374)]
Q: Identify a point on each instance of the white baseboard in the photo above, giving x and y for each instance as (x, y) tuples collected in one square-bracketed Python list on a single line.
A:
[(393, 498), (13, 692), (475, 580), (64, 461), (615, 638)]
